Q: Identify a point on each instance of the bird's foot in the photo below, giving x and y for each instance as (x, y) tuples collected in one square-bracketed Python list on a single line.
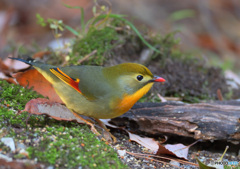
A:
[(92, 127), (106, 130)]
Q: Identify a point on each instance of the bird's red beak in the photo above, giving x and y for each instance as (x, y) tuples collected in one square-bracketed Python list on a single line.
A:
[(158, 79)]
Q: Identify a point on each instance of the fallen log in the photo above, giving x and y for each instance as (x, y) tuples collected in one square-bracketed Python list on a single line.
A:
[(207, 121)]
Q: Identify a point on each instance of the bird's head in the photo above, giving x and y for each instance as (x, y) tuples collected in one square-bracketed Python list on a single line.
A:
[(131, 77)]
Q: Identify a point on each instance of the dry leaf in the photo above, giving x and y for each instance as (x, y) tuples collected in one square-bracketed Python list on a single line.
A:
[(178, 150), (147, 142), (53, 109), (4, 68), (5, 72), (32, 78), (8, 79)]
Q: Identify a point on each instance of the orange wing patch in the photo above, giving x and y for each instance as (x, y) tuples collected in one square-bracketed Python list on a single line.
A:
[(66, 79)]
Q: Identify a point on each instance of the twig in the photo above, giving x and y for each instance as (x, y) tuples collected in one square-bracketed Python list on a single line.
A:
[(163, 157), (87, 56), (144, 156), (219, 95), (161, 98), (173, 98)]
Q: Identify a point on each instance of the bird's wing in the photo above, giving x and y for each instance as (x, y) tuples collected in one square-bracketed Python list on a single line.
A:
[(74, 83), (87, 80)]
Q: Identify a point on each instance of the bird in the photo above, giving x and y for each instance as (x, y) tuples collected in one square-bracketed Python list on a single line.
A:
[(95, 91)]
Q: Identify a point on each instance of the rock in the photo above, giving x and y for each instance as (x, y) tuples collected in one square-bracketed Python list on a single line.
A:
[(8, 141), (121, 153)]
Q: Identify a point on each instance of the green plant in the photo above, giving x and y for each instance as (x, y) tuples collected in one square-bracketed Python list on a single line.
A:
[(59, 143), (99, 21)]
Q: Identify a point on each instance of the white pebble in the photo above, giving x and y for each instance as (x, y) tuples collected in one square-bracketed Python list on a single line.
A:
[(175, 163), (8, 141), (121, 153)]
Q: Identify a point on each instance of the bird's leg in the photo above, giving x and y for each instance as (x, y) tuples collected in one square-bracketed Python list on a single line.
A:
[(93, 129), (101, 124)]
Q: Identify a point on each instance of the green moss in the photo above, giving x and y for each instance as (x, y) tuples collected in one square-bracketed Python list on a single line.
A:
[(165, 44), (96, 39), (72, 145), (58, 143), (15, 96), (4, 149), (19, 156)]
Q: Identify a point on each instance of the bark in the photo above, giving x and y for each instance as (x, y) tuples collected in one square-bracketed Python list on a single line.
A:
[(207, 121)]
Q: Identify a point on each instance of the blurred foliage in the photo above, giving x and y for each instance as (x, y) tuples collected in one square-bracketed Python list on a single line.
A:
[(182, 14), (99, 33), (108, 37)]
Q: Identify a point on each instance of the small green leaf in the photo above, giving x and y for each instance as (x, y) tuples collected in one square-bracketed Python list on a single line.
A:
[(203, 166), (40, 20), (94, 9), (72, 7), (72, 30), (182, 14), (82, 20)]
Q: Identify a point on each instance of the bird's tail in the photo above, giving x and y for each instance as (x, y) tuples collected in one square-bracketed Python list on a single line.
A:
[(28, 61)]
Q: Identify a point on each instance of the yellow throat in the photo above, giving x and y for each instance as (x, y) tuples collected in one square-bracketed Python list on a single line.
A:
[(129, 100)]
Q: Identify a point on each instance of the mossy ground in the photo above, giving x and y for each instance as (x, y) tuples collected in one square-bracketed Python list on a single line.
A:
[(50, 142)]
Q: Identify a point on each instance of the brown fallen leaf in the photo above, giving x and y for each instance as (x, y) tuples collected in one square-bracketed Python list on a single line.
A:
[(178, 150), (55, 110), (5, 72), (32, 78), (10, 80), (4, 68), (147, 142)]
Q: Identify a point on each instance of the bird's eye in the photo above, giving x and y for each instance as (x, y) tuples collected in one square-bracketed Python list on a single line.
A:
[(139, 77)]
